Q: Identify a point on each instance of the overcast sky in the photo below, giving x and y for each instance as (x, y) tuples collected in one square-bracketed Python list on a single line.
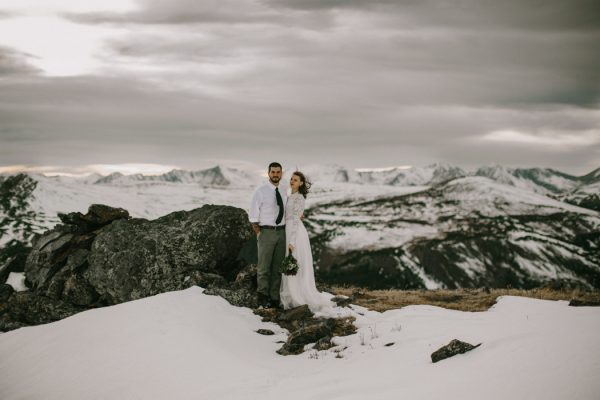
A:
[(186, 83)]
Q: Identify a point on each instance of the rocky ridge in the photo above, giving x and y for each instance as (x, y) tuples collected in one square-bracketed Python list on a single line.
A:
[(105, 257)]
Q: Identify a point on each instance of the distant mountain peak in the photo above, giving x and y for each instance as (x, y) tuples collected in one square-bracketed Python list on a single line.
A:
[(591, 177)]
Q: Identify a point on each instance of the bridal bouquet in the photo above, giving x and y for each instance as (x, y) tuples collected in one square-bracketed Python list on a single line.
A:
[(289, 265)]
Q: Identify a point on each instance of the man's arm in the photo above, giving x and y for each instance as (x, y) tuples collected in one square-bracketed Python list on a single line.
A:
[(254, 213)]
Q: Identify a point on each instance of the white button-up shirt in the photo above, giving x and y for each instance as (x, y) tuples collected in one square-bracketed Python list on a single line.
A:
[(264, 208)]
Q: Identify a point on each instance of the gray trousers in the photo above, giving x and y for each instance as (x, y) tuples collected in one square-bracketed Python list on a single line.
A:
[(271, 252)]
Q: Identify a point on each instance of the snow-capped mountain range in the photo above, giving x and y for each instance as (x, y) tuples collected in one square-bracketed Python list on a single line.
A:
[(433, 226)]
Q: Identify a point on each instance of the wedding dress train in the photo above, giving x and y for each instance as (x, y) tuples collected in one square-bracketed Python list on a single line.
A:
[(300, 289)]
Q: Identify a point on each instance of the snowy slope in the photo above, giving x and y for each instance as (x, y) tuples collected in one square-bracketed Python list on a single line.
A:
[(379, 223), (539, 180), (491, 198), (395, 176), (186, 345), (159, 196), (469, 232), (155, 195)]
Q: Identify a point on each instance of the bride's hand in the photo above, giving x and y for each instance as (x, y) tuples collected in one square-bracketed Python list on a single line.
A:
[(291, 247)]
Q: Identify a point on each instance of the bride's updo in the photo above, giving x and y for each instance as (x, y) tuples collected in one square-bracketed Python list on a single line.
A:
[(305, 188)]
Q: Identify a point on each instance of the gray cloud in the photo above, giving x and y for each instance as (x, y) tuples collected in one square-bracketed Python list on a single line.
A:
[(412, 52), (360, 83), (392, 68), (483, 14), (102, 120), (15, 63), (183, 12)]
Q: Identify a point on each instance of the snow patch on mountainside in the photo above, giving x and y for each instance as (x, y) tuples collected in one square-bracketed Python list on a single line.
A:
[(376, 237), (152, 199), (490, 198)]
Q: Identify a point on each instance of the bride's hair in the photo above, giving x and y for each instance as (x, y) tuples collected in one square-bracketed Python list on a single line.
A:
[(304, 189)]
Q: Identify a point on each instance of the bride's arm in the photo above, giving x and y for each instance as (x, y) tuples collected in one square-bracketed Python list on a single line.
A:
[(298, 209)]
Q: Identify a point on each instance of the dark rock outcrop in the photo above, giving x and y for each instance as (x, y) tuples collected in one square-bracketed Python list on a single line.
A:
[(304, 328), (13, 260), (584, 303), (323, 344), (5, 292), (318, 331), (104, 257), (451, 349), (131, 259), (27, 308), (97, 216)]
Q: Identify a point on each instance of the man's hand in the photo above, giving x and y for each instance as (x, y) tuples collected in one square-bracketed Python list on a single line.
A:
[(256, 229)]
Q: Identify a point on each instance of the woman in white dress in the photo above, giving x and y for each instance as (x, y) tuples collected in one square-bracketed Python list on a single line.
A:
[(300, 289)]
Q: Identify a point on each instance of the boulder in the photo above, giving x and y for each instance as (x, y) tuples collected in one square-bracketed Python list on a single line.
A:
[(131, 259), (28, 308), (451, 349), (97, 216), (104, 257), (5, 292)]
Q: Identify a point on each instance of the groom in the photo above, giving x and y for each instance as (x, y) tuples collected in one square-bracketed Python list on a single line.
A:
[(268, 221)]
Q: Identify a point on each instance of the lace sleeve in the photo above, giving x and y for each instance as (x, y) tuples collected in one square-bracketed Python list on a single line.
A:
[(298, 209)]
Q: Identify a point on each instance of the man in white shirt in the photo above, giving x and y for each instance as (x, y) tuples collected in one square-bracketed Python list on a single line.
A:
[(268, 221)]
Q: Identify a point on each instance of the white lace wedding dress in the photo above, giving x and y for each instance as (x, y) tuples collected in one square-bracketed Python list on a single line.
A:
[(300, 289)]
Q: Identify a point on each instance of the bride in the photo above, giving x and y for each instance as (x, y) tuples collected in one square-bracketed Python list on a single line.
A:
[(300, 289)]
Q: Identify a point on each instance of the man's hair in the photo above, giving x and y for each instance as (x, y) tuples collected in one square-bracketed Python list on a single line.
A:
[(274, 165)]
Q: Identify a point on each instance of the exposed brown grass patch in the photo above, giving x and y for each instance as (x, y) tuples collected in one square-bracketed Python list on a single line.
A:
[(458, 299)]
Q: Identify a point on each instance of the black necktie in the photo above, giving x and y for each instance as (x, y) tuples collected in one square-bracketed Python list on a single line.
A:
[(280, 204)]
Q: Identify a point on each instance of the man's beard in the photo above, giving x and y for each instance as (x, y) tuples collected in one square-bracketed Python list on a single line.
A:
[(275, 180)]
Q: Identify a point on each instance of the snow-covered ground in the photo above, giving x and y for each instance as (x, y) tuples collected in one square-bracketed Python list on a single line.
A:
[(187, 345)]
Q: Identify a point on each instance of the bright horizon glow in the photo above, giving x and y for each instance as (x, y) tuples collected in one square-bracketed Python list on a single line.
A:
[(383, 169), (141, 168), (101, 169)]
